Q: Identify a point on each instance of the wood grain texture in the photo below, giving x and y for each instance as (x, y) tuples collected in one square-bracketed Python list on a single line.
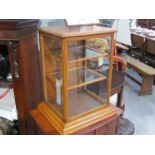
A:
[(92, 120), (62, 31), (28, 90)]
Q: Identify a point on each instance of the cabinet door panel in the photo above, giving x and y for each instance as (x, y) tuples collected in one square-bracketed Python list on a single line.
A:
[(108, 129)]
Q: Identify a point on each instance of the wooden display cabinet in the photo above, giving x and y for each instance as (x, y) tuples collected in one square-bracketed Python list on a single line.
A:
[(68, 56)]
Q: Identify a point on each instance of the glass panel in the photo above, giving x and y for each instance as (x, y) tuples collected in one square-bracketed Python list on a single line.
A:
[(88, 68), (87, 75), (53, 72), (76, 54), (104, 68), (81, 100)]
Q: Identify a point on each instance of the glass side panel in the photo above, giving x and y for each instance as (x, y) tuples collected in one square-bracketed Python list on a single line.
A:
[(53, 72), (103, 67), (88, 70)]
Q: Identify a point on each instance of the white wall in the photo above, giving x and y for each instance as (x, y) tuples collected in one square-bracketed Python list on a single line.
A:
[(123, 31)]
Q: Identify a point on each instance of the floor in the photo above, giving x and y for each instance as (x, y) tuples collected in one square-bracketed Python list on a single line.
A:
[(139, 109)]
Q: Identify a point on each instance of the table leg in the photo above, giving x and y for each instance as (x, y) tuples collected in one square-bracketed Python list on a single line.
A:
[(147, 83)]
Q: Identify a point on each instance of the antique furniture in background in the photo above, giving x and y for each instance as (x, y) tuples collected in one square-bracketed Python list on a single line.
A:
[(146, 23), (147, 73), (137, 48), (118, 80), (70, 106), (148, 55), (20, 39), (150, 51)]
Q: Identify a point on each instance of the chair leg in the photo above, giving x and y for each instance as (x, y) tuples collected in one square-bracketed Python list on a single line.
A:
[(120, 98)]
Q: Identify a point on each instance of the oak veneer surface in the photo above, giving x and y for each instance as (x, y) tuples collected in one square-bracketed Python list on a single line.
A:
[(43, 126), (62, 31), (106, 127)]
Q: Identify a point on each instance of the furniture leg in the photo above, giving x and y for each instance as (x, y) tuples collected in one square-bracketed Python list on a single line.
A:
[(146, 88), (120, 98)]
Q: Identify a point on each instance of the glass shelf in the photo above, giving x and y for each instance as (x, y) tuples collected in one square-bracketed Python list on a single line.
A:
[(79, 77), (81, 53)]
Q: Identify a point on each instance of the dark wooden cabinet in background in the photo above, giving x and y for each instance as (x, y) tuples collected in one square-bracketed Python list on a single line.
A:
[(146, 23), (20, 36)]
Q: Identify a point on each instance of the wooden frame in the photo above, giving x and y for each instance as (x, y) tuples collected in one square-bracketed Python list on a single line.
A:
[(64, 123)]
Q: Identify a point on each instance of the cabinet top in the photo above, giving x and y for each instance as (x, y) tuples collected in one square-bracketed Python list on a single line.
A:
[(65, 32), (17, 24)]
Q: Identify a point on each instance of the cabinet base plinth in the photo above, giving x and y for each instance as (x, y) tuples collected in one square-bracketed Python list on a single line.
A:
[(100, 121)]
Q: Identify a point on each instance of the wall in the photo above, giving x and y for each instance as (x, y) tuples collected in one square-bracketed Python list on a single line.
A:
[(123, 31)]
